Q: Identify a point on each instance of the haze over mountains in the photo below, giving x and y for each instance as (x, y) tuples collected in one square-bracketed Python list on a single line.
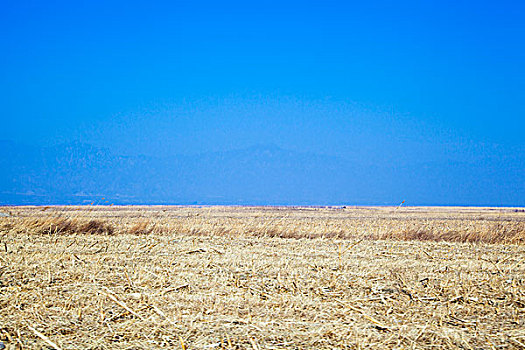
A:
[(77, 173)]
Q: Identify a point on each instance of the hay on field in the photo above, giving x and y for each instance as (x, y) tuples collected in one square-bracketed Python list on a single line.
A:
[(224, 278)]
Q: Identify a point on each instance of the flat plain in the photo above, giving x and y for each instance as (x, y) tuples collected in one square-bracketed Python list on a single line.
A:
[(148, 277)]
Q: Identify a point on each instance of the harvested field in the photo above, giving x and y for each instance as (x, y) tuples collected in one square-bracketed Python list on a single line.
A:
[(262, 278)]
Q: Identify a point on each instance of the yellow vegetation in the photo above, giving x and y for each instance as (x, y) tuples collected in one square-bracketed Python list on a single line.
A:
[(224, 278)]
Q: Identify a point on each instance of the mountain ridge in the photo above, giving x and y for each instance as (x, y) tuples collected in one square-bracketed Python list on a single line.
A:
[(79, 173)]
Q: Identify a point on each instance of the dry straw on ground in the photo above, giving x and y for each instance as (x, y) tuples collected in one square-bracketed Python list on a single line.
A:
[(231, 278)]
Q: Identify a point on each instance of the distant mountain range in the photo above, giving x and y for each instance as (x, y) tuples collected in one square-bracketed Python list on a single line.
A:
[(77, 173)]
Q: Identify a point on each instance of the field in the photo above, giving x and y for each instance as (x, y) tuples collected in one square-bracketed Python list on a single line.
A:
[(101, 277)]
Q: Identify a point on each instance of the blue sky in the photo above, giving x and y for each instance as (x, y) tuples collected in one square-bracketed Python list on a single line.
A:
[(409, 81)]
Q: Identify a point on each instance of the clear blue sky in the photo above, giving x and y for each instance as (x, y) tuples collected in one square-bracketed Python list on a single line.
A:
[(393, 80)]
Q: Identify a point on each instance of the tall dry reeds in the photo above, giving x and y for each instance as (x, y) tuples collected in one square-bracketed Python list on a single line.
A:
[(62, 226), (485, 225)]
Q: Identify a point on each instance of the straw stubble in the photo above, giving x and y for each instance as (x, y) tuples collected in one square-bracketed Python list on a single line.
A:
[(204, 278)]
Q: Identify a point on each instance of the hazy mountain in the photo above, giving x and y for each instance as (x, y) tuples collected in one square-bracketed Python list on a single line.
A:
[(80, 173)]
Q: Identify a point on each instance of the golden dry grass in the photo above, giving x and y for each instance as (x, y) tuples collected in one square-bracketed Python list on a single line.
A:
[(230, 278)]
